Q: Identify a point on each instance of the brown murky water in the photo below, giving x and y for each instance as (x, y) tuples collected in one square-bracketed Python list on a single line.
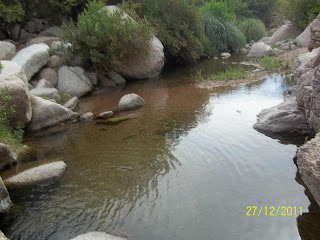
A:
[(185, 166)]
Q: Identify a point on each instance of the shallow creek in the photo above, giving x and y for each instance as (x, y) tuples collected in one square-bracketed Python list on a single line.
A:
[(185, 166)]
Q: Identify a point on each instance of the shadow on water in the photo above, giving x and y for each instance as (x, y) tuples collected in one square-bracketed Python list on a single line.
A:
[(183, 167)]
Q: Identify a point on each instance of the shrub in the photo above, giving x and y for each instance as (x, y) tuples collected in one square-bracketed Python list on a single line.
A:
[(219, 9), (253, 29), (106, 39), (301, 12), (222, 34), (178, 26), (274, 64), (9, 135), (230, 74)]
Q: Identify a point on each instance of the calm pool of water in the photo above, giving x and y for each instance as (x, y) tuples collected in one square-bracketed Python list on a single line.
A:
[(185, 166)]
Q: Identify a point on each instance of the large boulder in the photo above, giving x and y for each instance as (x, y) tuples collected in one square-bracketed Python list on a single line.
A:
[(49, 93), (5, 201), (38, 175), (6, 157), (7, 50), (98, 236), (46, 114), (259, 50), (145, 66), (130, 102), (72, 80), (13, 78), (315, 34), (285, 32), (308, 161), (303, 40), (284, 119), (32, 58)]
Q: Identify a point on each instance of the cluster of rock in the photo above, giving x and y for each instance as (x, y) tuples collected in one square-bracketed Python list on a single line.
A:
[(285, 38)]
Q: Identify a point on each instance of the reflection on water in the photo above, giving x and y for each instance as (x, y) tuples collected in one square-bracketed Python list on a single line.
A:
[(185, 166)]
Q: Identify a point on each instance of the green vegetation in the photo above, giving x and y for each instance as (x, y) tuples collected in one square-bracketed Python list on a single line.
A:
[(64, 97), (220, 29), (274, 64), (105, 39), (230, 74), (301, 12), (11, 136), (253, 29), (179, 27)]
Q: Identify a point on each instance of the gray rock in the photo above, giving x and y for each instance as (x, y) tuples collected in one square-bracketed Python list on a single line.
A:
[(260, 50), (5, 201), (141, 67), (54, 32), (7, 50), (13, 78), (105, 82), (87, 117), (284, 119), (98, 236), (285, 32), (7, 158), (243, 50), (264, 39), (106, 115), (38, 175), (55, 62), (32, 58), (46, 40), (47, 114), (33, 26), (93, 78), (43, 83), (308, 161), (225, 55), (73, 81), (51, 93), (130, 102), (303, 39), (24, 35), (49, 75), (115, 77), (72, 103)]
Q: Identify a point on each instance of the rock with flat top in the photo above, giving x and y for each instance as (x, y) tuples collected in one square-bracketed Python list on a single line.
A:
[(7, 50), (38, 175)]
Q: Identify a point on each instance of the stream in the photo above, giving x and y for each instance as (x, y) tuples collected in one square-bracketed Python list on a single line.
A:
[(185, 166)]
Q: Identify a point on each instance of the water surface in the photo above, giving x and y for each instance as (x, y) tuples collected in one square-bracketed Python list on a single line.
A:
[(185, 166)]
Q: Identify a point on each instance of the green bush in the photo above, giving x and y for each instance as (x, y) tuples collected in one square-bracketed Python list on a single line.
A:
[(106, 39), (219, 9), (178, 26), (222, 34), (253, 29), (301, 12), (9, 135)]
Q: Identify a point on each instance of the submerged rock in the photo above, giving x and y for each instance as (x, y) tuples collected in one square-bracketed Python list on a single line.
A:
[(7, 50), (141, 67), (284, 119), (87, 117), (260, 50), (47, 114), (285, 32), (130, 102), (73, 81), (32, 58), (106, 115), (13, 78), (5, 201), (98, 236), (37, 175), (6, 157), (308, 161)]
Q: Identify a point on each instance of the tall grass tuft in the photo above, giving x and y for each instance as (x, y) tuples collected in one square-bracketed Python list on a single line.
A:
[(223, 35), (253, 29)]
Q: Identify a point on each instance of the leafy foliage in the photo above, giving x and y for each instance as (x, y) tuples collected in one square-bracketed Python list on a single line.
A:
[(253, 29), (9, 135), (274, 64), (106, 39), (302, 12), (219, 9), (178, 26)]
